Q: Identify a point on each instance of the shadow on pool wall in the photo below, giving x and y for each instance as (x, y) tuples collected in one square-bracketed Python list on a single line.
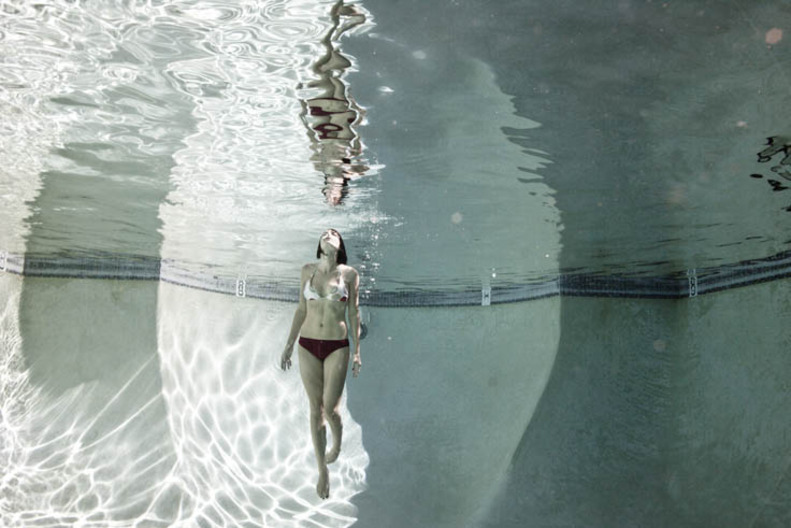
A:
[(444, 397), (660, 413), (89, 429)]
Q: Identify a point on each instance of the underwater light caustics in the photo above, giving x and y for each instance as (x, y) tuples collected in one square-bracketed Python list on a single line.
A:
[(205, 431)]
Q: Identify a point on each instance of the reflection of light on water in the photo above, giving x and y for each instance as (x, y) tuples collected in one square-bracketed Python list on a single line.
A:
[(248, 163), (225, 443), (184, 113), (331, 114), (238, 423), (76, 459)]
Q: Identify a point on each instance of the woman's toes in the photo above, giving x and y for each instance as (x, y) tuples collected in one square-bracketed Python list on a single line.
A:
[(323, 486)]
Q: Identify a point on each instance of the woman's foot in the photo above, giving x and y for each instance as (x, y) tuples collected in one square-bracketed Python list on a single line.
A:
[(323, 486), (332, 456)]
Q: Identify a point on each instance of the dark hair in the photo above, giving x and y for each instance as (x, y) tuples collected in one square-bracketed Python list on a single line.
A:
[(341, 255)]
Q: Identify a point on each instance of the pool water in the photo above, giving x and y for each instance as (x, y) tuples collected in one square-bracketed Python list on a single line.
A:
[(570, 222)]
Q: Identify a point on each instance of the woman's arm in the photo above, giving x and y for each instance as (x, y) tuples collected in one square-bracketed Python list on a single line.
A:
[(353, 307)]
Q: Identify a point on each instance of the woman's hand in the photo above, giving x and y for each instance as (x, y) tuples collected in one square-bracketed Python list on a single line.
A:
[(285, 358), (356, 364)]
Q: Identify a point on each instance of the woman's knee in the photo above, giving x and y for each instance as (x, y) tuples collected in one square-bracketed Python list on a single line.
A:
[(331, 412), (316, 409)]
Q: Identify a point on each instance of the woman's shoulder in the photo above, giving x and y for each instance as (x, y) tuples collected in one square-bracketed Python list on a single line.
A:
[(310, 267), (347, 271)]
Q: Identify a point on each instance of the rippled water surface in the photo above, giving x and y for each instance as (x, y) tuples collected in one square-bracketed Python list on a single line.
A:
[(172, 129), (652, 117), (224, 136)]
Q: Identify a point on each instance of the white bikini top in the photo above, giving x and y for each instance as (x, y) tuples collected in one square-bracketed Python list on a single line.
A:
[(338, 293)]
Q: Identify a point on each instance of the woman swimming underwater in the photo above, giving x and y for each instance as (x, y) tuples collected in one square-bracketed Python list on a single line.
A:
[(328, 289)]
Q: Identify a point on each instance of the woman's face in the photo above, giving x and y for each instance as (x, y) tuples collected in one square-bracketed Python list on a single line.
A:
[(330, 238)]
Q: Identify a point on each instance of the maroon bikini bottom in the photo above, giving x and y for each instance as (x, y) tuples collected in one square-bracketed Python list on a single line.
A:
[(321, 348)]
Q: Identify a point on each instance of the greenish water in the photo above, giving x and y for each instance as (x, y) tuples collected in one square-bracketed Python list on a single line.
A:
[(455, 145)]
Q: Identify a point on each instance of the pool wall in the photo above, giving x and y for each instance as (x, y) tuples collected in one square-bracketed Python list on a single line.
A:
[(162, 403), (92, 438), (135, 399), (443, 399), (661, 413)]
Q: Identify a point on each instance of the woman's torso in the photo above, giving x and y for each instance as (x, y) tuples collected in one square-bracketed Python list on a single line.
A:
[(326, 295)]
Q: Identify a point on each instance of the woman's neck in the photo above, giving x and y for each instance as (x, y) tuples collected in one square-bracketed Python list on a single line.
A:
[(327, 263)]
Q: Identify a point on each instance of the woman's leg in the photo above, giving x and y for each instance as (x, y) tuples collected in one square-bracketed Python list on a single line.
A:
[(335, 367), (311, 370)]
